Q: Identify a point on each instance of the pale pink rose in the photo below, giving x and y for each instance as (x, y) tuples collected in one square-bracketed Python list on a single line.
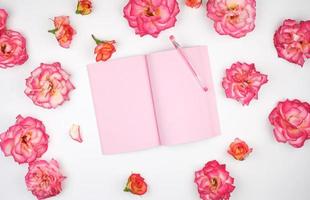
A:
[(26, 140), (3, 17), (214, 182), (151, 16), (12, 49), (242, 82), (63, 31), (291, 122), (232, 17), (292, 41), (49, 85), (44, 179)]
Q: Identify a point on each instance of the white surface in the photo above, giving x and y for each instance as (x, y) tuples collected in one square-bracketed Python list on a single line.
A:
[(273, 171)]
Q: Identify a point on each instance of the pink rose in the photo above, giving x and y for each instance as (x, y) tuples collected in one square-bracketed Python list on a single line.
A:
[(292, 41), (291, 122), (3, 17), (232, 17), (242, 82), (63, 31), (44, 179), (26, 140), (214, 182), (12, 49), (151, 16), (49, 85)]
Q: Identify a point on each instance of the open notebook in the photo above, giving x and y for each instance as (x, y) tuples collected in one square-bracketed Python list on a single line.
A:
[(150, 100)]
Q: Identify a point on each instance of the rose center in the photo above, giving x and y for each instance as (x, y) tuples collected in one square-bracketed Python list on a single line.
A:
[(25, 139), (239, 149), (214, 183), (149, 12), (45, 181), (5, 49), (233, 12), (49, 88)]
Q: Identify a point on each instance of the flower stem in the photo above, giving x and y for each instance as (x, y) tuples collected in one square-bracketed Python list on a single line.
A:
[(96, 40), (53, 31)]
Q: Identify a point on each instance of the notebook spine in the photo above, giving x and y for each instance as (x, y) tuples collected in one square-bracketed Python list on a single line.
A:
[(147, 66)]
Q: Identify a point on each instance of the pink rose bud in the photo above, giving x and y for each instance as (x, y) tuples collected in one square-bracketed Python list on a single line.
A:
[(63, 31)]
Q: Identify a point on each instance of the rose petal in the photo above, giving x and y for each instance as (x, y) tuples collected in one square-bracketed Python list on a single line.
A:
[(75, 133)]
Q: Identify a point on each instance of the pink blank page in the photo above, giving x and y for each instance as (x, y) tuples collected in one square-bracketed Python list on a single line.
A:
[(123, 105), (184, 112)]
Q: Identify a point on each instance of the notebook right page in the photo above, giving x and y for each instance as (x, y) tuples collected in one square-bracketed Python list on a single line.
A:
[(184, 112)]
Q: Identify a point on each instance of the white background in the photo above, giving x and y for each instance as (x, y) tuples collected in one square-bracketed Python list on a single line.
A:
[(272, 171)]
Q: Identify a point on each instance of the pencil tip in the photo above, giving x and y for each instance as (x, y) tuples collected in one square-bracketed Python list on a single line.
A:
[(171, 37)]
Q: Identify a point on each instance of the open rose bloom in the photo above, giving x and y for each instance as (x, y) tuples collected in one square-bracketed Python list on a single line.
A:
[(193, 3), (151, 16), (214, 182), (292, 41), (49, 85), (242, 82), (291, 122), (63, 31), (12, 49), (3, 18), (239, 149), (136, 185), (25, 141), (232, 17), (44, 179)]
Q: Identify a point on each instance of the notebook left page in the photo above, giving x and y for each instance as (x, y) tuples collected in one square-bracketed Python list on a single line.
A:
[(123, 105)]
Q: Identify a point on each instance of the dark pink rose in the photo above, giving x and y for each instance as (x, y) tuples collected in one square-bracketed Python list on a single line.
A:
[(242, 82), (291, 122), (292, 41), (12, 49), (26, 140), (214, 182), (151, 16), (44, 179)]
